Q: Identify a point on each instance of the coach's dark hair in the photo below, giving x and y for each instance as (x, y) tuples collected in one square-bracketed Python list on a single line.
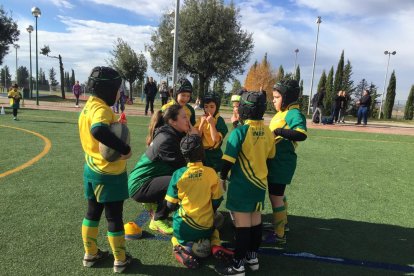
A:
[(161, 118)]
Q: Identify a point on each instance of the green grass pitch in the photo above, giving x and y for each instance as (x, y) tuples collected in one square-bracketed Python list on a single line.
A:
[(351, 198)]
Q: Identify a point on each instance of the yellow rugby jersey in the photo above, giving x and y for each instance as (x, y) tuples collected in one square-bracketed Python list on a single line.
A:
[(248, 147), (13, 93), (97, 113), (221, 127), (189, 110), (197, 189), (291, 118)]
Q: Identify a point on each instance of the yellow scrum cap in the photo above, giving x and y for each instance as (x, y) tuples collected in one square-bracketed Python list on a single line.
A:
[(235, 98)]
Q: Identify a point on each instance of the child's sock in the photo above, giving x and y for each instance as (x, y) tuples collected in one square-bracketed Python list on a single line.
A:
[(90, 235), (279, 220), (215, 238), (242, 243), (117, 242), (256, 238)]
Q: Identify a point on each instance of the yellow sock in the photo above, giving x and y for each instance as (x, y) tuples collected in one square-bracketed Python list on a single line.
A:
[(215, 238), (286, 207), (117, 242), (174, 241), (90, 236), (279, 219)]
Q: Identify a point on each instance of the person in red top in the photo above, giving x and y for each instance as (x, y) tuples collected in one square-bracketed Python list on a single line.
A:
[(77, 90)]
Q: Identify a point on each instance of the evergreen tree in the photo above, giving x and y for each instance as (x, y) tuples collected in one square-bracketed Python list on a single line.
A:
[(297, 73), (362, 85), (52, 77), (22, 76), (67, 80), (409, 106), (218, 87), (329, 93), (390, 97), (236, 87), (322, 81), (5, 78), (347, 82), (280, 74), (338, 84), (373, 92), (72, 78)]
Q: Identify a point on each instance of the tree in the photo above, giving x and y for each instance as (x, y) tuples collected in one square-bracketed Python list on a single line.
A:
[(5, 78), (297, 73), (322, 81), (261, 76), (236, 87), (338, 84), (409, 106), (218, 87), (329, 92), (46, 51), (280, 74), (129, 64), (211, 42), (9, 33), (195, 86), (390, 96), (67, 80), (362, 85), (22, 76), (72, 78), (373, 110), (347, 82), (52, 77)]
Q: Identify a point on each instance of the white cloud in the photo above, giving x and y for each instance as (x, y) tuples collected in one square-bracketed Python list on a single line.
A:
[(147, 8), (62, 3), (363, 30), (86, 44)]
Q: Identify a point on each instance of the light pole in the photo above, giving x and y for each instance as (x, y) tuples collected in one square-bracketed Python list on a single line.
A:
[(36, 13), (16, 46), (296, 58), (385, 80), (175, 53), (30, 30), (318, 21)]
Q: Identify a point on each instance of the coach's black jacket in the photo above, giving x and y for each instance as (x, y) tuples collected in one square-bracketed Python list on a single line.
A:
[(166, 147)]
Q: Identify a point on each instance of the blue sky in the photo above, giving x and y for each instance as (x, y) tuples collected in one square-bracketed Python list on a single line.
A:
[(84, 31)]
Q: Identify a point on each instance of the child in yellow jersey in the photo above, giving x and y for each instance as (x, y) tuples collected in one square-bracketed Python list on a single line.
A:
[(105, 183), (212, 129), (15, 97), (247, 149), (194, 192), (289, 127), (182, 96), (235, 101)]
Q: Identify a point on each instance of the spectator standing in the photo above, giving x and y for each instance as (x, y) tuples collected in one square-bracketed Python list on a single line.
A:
[(164, 94), (342, 109), (336, 106), (317, 103), (77, 91), (150, 91), (363, 110)]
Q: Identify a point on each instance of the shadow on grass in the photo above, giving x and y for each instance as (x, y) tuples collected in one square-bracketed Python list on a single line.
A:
[(363, 244)]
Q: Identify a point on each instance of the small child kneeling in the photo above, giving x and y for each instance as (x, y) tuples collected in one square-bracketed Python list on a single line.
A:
[(194, 193)]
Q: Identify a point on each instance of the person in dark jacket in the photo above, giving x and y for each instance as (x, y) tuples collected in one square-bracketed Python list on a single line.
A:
[(318, 105), (342, 108), (363, 110), (336, 106), (150, 90), (148, 181)]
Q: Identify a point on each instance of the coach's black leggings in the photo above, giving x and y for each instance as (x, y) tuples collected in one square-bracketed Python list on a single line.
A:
[(113, 213), (14, 112), (155, 191)]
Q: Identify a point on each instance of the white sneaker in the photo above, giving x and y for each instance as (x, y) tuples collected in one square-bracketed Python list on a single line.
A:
[(120, 266), (253, 264), (90, 260)]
